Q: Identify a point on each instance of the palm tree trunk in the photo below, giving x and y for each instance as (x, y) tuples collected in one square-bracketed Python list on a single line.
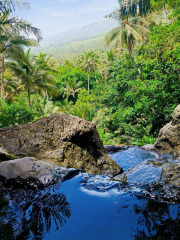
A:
[(47, 96), (131, 51), (2, 76), (95, 77), (166, 13), (139, 70), (29, 97), (38, 102), (88, 83)]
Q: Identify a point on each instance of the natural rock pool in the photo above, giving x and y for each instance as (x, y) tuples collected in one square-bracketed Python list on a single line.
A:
[(89, 207)]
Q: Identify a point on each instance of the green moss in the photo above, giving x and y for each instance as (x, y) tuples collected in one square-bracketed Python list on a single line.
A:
[(12, 156)]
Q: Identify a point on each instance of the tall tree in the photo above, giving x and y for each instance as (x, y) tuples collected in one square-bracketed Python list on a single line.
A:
[(132, 8), (132, 29), (14, 36), (9, 48), (88, 62), (107, 60), (33, 77), (71, 87), (127, 36)]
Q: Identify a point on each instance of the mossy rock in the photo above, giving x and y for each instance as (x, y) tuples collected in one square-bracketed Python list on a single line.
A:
[(63, 139)]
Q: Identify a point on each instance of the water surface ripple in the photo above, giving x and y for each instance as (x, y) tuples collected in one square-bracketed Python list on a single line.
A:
[(90, 207)]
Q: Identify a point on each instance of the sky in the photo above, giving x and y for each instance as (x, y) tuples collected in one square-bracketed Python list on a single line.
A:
[(56, 16)]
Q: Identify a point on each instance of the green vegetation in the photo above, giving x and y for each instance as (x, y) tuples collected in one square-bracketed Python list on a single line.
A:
[(70, 51), (128, 91), (68, 44)]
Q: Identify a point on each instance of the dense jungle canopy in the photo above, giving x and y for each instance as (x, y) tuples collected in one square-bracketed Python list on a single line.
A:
[(129, 89)]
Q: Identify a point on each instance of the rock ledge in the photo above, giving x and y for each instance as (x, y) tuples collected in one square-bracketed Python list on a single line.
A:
[(31, 173), (169, 136), (62, 139)]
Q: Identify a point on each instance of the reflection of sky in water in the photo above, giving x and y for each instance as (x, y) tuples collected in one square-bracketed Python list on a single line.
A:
[(96, 208), (132, 157), (141, 166), (144, 173), (118, 216)]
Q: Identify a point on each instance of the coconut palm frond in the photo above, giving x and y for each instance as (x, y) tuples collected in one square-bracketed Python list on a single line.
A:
[(101, 118), (133, 32), (112, 35)]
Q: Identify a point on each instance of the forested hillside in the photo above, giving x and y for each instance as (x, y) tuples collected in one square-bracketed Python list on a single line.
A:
[(129, 89), (71, 50), (68, 44)]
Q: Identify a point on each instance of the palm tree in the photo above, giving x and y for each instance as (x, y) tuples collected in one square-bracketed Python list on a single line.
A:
[(12, 40), (132, 8), (9, 48), (66, 106), (75, 86), (10, 5), (32, 76), (66, 91), (9, 25), (107, 62), (46, 62), (50, 108), (101, 118), (71, 87), (128, 34), (88, 62), (82, 111), (13, 88)]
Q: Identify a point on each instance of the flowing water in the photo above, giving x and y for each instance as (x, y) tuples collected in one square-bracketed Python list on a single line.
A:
[(89, 207)]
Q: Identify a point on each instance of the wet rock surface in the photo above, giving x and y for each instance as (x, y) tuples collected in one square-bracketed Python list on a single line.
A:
[(113, 149), (169, 136), (160, 191), (65, 140), (149, 147), (121, 177), (166, 188), (30, 173), (171, 174), (157, 177)]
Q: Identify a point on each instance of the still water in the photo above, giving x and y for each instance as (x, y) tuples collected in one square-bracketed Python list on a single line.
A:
[(90, 207)]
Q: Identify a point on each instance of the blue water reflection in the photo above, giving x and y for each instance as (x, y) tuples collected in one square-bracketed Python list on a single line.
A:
[(92, 208), (132, 157)]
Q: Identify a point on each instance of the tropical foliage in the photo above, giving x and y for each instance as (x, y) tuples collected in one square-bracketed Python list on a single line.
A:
[(128, 90)]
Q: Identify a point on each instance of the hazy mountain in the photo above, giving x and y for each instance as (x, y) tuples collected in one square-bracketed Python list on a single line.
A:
[(75, 41)]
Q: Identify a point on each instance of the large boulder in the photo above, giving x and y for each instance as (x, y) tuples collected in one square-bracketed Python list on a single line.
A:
[(32, 173), (169, 136), (63, 139)]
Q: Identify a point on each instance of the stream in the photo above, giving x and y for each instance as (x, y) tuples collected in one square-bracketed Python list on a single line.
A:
[(89, 207)]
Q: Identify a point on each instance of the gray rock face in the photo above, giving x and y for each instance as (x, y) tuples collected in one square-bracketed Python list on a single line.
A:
[(171, 173), (63, 139), (31, 173), (169, 136), (149, 147), (121, 177)]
